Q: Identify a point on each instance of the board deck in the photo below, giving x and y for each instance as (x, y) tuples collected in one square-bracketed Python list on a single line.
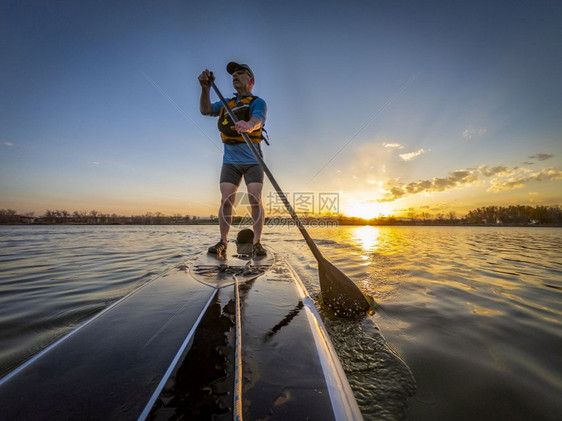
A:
[(291, 370), (117, 364), (216, 271), (109, 368), (289, 367)]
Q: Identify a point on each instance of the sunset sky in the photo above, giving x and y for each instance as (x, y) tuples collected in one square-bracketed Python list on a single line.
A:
[(390, 105)]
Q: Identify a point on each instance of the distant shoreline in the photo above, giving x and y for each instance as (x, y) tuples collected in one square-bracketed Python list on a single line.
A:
[(290, 222), (494, 216)]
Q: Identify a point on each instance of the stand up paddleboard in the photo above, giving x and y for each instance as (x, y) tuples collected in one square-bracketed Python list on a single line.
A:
[(121, 363), (217, 271)]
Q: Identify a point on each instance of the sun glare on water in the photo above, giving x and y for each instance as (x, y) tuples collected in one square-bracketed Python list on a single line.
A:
[(367, 237)]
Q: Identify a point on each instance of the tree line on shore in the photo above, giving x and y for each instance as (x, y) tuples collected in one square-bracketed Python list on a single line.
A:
[(514, 215), (95, 218), (489, 215)]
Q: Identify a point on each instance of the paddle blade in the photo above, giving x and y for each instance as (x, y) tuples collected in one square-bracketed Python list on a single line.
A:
[(339, 292)]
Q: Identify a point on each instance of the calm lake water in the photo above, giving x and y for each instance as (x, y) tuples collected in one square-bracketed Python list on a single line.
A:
[(468, 323)]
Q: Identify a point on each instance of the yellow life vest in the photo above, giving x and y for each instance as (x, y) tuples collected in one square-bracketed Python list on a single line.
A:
[(241, 110)]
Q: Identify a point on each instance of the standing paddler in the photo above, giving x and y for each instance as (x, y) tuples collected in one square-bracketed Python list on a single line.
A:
[(238, 159)]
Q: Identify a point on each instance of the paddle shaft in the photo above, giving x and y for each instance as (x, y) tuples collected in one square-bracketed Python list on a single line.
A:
[(300, 226)]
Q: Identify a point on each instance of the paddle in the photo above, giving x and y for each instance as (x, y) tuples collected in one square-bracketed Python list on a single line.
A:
[(338, 291)]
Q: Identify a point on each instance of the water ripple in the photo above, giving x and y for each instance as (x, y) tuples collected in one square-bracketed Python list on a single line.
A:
[(471, 316)]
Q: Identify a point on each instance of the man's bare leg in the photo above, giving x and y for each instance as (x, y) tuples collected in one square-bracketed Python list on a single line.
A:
[(228, 194), (258, 215)]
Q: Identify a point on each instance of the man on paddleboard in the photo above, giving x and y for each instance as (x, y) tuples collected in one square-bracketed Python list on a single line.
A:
[(238, 159)]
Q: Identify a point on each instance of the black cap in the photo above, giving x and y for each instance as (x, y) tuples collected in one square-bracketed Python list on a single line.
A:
[(233, 66)]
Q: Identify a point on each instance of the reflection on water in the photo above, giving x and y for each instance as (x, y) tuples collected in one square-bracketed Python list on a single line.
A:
[(470, 318), (475, 312), (367, 237), (54, 278)]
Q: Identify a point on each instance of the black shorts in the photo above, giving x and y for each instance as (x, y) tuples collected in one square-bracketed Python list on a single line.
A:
[(232, 173)]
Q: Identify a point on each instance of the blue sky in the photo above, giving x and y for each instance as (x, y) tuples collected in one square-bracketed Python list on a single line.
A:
[(437, 105)]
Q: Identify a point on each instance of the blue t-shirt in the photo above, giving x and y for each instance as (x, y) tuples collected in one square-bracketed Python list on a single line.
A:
[(240, 153)]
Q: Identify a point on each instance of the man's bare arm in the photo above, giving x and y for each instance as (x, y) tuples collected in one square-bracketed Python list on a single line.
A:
[(205, 100)]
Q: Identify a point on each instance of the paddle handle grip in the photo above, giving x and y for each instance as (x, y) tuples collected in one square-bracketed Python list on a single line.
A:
[(298, 222)]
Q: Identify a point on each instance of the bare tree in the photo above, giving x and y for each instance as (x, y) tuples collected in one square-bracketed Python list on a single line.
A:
[(95, 215)]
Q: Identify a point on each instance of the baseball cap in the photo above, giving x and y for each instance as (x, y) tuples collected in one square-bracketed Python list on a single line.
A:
[(233, 66)]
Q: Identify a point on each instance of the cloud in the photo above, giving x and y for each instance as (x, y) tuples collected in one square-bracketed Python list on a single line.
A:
[(547, 174), (519, 181), (411, 155), (393, 194), (470, 133), (500, 170), (502, 178), (393, 145), (8, 144), (541, 156), (437, 184), (500, 185)]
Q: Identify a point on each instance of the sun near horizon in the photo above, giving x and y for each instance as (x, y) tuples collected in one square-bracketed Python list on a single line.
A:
[(369, 210)]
